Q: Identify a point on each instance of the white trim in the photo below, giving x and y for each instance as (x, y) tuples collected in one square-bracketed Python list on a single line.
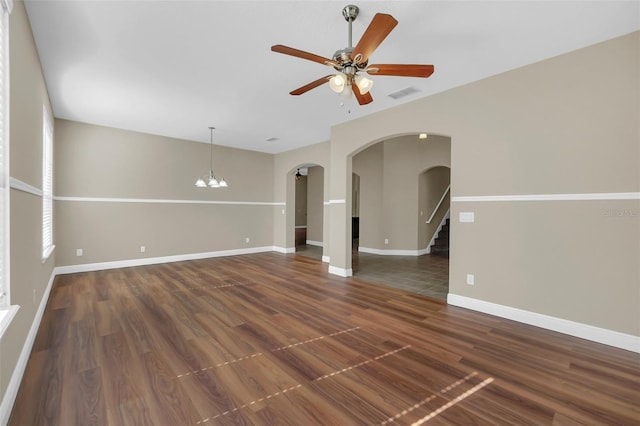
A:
[(446, 191), (337, 201), (326, 203), (6, 315), (340, 271), (383, 252), (47, 253), (551, 197), (285, 250), (47, 184), (325, 259), (162, 201), (584, 331), (15, 183), (7, 5), (14, 383), (314, 243), (301, 227), (86, 267)]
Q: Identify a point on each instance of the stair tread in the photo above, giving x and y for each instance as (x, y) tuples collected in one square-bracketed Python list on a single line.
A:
[(440, 244)]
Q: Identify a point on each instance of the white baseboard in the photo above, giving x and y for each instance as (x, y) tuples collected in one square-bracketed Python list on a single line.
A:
[(383, 252), (340, 271), (285, 250), (16, 378), (325, 259), (86, 267), (314, 243), (584, 331)]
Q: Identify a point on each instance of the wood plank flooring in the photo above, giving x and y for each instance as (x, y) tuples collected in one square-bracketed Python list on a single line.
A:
[(274, 339)]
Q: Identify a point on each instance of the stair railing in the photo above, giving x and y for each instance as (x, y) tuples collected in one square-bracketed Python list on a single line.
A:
[(446, 191)]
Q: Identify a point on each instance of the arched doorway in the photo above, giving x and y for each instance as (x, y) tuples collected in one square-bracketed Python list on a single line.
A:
[(401, 181), (309, 210)]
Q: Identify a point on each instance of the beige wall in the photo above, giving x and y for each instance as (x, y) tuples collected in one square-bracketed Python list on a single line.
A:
[(355, 195), (301, 201), (368, 165), (567, 125), (389, 189), (29, 276), (315, 204), (96, 161), (100, 162), (565, 259), (285, 165)]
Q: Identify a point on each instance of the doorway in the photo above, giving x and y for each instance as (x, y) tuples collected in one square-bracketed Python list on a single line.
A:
[(398, 185), (309, 211)]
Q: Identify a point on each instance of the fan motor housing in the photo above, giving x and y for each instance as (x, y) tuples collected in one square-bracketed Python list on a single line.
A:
[(343, 57)]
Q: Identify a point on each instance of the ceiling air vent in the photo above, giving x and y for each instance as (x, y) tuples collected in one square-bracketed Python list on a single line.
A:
[(404, 92)]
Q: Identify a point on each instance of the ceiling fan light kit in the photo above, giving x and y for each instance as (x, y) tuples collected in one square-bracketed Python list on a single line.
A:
[(351, 60), (337, 82), (364, 84)]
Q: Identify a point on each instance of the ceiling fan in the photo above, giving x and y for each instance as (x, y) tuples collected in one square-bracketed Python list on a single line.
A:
[(351, 60)]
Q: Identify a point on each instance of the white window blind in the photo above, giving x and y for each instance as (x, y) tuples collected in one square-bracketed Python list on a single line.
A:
[(5, 9), (47, 185)]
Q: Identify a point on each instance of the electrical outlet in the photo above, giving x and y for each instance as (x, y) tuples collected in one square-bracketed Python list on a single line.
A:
[(143, 249), (246, 240), (386, 241), (79, 252), (471, 279)]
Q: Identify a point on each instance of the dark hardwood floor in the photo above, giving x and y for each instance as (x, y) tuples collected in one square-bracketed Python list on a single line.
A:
[(274, 339)]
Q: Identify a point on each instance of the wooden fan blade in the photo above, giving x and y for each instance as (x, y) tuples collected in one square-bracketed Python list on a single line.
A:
[(401, 70), (279, 48), (312, 85), (378, 30), (362, 99)]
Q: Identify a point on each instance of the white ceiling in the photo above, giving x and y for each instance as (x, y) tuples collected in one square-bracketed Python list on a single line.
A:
[(173, 68)]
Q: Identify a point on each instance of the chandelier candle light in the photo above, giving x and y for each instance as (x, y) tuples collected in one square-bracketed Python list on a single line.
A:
[(210, 180)]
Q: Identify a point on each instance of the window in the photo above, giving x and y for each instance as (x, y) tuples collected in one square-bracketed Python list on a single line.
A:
[(47, 185), (5, 9)]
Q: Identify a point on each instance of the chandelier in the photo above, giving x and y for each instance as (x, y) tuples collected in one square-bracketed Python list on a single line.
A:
[(209, 180)]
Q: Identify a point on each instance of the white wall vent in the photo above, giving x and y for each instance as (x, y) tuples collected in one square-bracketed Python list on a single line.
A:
[(404, 92)]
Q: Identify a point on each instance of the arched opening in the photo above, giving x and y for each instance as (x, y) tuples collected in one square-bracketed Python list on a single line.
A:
[(355, 210), (309, 210), (402, 183)]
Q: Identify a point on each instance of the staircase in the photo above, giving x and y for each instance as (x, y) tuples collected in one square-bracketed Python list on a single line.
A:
[(440, 246)]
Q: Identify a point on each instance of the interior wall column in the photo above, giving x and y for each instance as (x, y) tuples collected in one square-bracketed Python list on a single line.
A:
[(290, 214), (340, 214), (326, 216)]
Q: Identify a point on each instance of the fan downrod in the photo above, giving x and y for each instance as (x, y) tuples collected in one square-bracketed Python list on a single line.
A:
[(343, 56)]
